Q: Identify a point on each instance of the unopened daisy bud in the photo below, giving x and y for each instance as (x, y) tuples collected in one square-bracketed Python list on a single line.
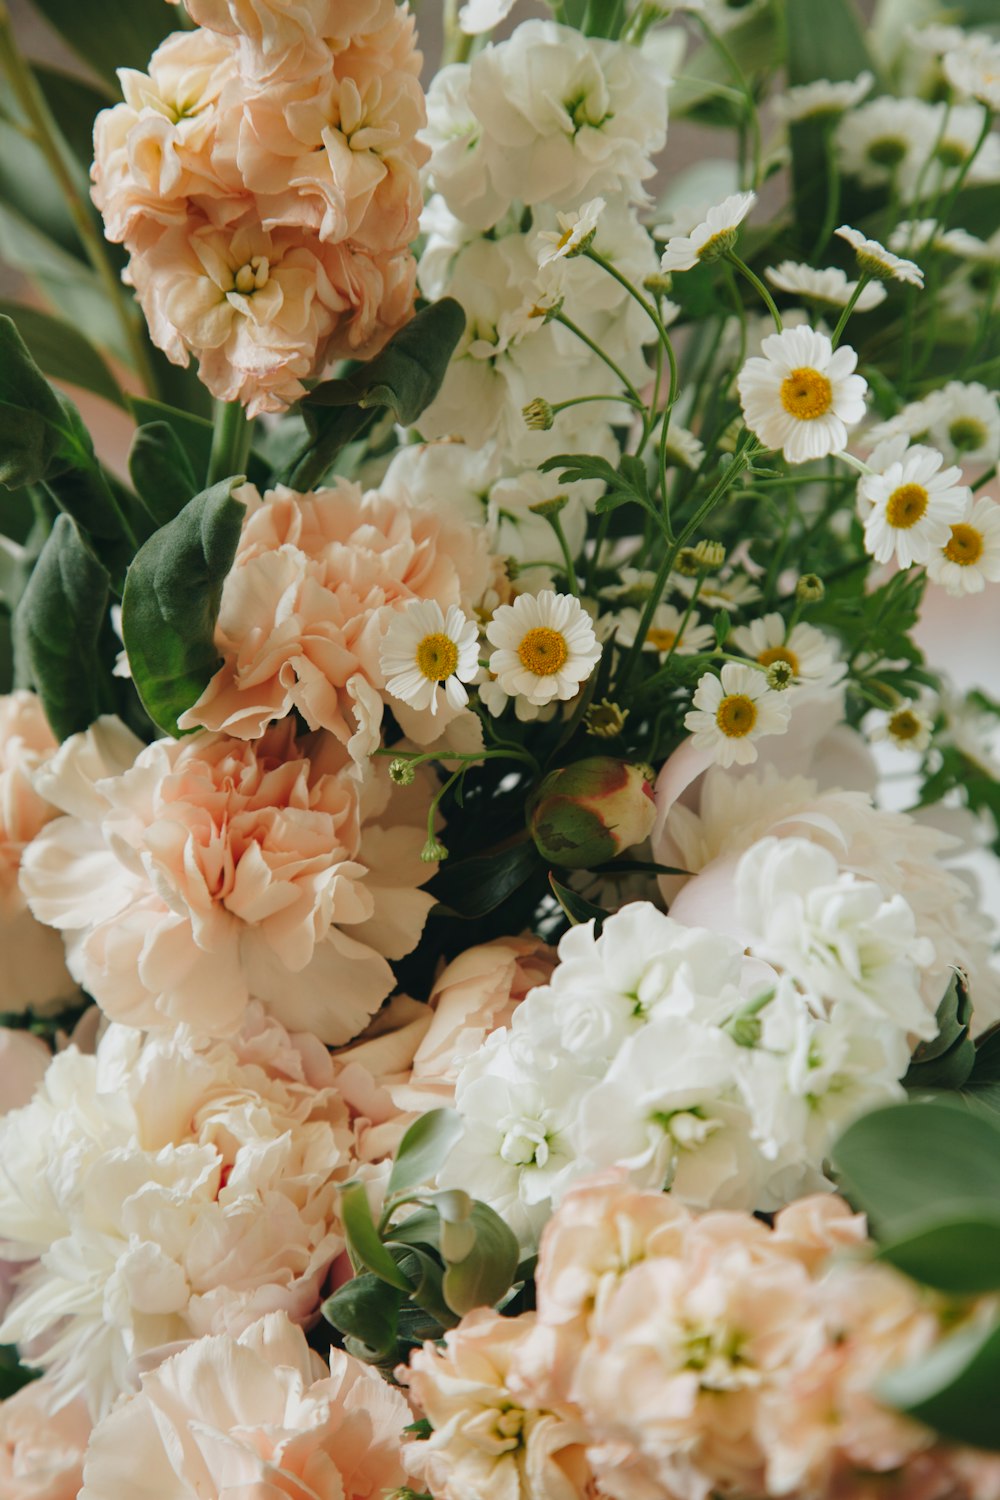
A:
[(810, 589), (586, 813), (401, 772), (780, 675), (433, 852), (538, 414), (710, 555), (605, 720), (688, 563), (551, 507), (659, 281)]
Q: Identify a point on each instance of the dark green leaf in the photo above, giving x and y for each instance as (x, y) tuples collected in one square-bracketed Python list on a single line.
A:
[(722, 625), (954, 1387), (481, 1277), (626, 485), (363, 1239), (57, 626), (32, 420), (473, 887), (946, 1061), (161, 471), (423, 1149), (577, 907), (62, 352), (192, 432), (957, 1254), (13, 1375), (171, 603), (75, 104), (367, 1310), (427, 1276), (420, 1228), (124, 36)]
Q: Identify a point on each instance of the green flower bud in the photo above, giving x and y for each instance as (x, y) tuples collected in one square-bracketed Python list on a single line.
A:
[(585, 814), (809, 589), (538, 414)]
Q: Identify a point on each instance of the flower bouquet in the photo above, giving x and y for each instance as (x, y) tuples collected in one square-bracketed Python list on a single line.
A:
[(498, 988)]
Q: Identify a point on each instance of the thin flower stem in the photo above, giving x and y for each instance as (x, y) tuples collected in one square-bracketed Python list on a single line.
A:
[(231, 439), (863, 281), (559, 406), (65, 170), (985, 478), (596, 349), (757, 284), (831, 210), (571, 578), (746, 93)]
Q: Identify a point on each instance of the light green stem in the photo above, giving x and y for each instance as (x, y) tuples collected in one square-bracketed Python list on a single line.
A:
[(231, 439)]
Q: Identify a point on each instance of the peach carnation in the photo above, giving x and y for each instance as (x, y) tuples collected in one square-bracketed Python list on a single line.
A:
[(34, 969), (214, 870), (490, 1441), (168, 1190), (258, 1416), (306, 605), (41, 1445)]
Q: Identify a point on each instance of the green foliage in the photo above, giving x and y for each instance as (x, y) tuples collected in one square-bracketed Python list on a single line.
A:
[(193, 432), (954, 1387), (62, 352), (424, 1149), (12, 1374), (628, 484), (474, 887), (161, 471), (123, 37), (577, 908), (947, 1060), (171, 603)]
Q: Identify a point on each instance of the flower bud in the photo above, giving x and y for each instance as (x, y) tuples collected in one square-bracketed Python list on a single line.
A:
[(809, 589), (401, 773), (586, 813), (538, 414), (605, 720)]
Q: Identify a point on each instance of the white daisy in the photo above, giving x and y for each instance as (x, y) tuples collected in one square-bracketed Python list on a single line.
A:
[(966, 246), (810, 653), (935, 39), (908, 727), (424, 650), (882, 139), (829, 285), (545, 646), (575, 232), (719, 593), (684, 450), (822, 97), (909, 508), (664, 634), (711, 238), (874, 258), (802, 395), (966, 422), (970, 558), (974, 69), (912, 422), (732, 711), (957, 132)]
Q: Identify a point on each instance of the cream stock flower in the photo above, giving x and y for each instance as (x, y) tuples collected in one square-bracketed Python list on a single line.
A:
[(544, 646), (202, 1192), (733, 710), (255, 1415), (802, 395), (216, 871), (314, 585), (42, 1445)]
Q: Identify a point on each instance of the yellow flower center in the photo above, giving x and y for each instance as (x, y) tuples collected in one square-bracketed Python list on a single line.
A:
[(966, 434), (543, 651), (252, 276), (904, 725), (965, 545), (779, 653), (659, 638), (566, 236), (806, 394), (736, 715), (907, 506), (437, 657)]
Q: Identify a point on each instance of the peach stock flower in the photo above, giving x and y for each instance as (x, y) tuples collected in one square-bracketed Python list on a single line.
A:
[(289, 37), (305, 606), (214, 870), (258, 1416), (41, 1446)]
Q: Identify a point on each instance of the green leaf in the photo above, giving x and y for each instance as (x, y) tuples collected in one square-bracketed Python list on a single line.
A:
[(423, 1149), (427, 1276), (193, 433), (957, 1254), (56, 630), (625, 485), (32, 420), (577, 907), (123, 36), (954, 1387), (946, 1061), (62, 352), (161, 471), (363, 1239), (367, 1310), (473, 887), (482, 1276), (12, 1374)]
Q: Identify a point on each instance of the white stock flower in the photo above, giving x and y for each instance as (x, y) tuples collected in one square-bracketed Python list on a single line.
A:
[(829, 285), (734, 710), (555, 244), (544, 646), (822, 97), (909, 508), (711, 237), (970, 558), (811, 655), (425, 650), (477, 16), (802, 395), (877, 261)]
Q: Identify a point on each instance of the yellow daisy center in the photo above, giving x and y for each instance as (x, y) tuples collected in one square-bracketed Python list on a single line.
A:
[(437, 657), (566, 236), (806, 394), (660, 638), (904, 725), (543, 651), (779, 653), (736, 715), (965, 546), (907, 506)]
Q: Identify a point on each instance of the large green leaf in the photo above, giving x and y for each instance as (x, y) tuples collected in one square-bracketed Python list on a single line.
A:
[(946, 1061), (363, 1238), (28, 187), (423, 1149), (171, 603), (74, 104), (122, 36), (366, 1310), (57, 627), (954, 1388), (194, 433), (62, 352), (473, 887), (161, 471), (485, 1273), (960, 1253)]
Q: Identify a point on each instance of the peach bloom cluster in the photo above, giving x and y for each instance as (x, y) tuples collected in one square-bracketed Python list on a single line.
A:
[(314, 585), (265, 179), (164, 1190), (258, 1417), (34, 970), (42, 1445), (687, 1356), (192, 876)]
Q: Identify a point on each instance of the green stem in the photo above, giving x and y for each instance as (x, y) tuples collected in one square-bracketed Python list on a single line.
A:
[(571, 578), (753, 118), (985, 478), (559, 406), (231, 439), (830, 212), (757, 284), (67, 173), (457, 45), (863, 281), (596, 349)]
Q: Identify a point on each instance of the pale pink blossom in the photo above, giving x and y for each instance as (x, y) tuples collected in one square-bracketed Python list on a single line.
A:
[(216, 870), (23, 1060), (291, 38), (260, 1415), (41, 1445), (307, 602)]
